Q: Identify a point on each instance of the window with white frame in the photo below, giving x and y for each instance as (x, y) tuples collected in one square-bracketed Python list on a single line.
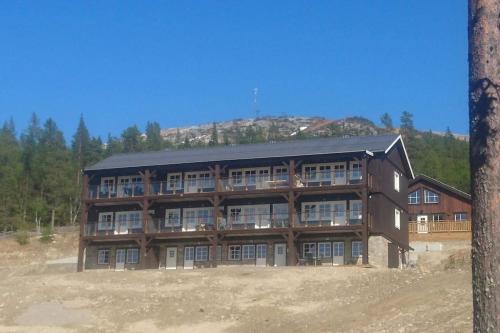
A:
[(248, 252), (174, 181), (438, 217), (414, 198), (236, 177), (430, 197), (338, 249), (325, 172), (310, 173), (234, 252), (396, 181), (280, 173), (107, 185), (339, 173), (356, 249), (201, 253), (191, 182), (356, 172), (397, 218), (325, 212), (325, 250), (280, 214), (206, 180), (309, 212), (460, 216), (356, 212), (132, 256), (105, 221), (103, 256), (173, 217), (235, 215), (339, 212), (309, 250), (135, 219)]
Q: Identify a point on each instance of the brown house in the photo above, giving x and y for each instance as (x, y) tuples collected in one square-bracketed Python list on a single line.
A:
[(430, 200), (330, 201)]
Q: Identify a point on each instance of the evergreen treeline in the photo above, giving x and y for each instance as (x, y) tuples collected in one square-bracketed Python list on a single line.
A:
[(40, 173)]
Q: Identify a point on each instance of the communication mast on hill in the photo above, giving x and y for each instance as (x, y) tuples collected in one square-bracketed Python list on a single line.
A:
[(255, 104)]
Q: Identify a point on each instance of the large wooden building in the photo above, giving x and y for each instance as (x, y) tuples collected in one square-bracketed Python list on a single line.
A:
[(434, 206), (332, 201)]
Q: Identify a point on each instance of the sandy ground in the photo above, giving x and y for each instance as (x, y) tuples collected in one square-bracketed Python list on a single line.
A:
[(39, 297)]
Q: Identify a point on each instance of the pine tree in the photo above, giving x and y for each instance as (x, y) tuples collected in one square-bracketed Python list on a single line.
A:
[(386, 120), (131, 138), (81, 144), (154, 140), (214, 137)]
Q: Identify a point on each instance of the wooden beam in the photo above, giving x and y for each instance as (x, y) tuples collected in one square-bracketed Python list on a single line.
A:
[(83, 223)]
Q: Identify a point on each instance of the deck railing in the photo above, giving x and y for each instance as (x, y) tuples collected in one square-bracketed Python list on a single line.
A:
[(328, 218), (94, 228), (119, 191), (252, 182), (439, 226), (329, 178)]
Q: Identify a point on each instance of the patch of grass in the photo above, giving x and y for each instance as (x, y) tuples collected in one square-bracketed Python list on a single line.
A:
[(47, 235), (22, 237)]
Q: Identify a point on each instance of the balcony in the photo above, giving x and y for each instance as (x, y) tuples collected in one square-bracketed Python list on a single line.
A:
[(253, 182), (120, 191), (161, 225), (329, 178), (253, 221), (328, 218), (161, 188), (95, 228)]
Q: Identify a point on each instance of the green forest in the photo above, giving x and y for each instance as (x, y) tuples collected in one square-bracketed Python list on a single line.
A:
[(40, 172)]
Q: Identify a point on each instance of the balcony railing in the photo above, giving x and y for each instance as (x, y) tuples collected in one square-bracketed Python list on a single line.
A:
[(160, 225), (439, 226), (119, 191), (94, 228), (328, 218), (253, 221), (227, 184), (329, 178), (250, 183)]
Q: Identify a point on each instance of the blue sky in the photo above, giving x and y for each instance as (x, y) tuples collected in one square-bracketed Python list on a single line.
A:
[(188, 62)]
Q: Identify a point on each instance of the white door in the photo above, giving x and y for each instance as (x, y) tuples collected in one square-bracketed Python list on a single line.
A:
[(188, 257), (121, 223), (120, 260), (171, 258), (262, 218), (338, 253), (422, 226), (261, 255), (339, 174), (189, 220), (280, 254), (124, 187)]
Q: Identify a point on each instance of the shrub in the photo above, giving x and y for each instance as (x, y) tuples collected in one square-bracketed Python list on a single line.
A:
[(22, 237), (47, 235)]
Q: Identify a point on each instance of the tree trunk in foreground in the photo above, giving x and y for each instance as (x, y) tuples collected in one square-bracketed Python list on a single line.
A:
[(484, 113)]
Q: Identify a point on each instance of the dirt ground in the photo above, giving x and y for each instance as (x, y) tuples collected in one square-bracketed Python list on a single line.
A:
[(41, 294)]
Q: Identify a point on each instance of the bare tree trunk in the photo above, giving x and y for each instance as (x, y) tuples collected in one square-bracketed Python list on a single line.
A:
[(484, 109), (52, 219)]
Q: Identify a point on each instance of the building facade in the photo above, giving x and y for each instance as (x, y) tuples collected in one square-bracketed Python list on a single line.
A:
[(331, 201), (430, 201)]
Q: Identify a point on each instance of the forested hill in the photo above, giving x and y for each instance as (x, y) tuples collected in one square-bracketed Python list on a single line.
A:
[(40, 174)]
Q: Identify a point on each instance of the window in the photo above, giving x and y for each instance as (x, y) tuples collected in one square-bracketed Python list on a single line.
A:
[(339, 212), (248, 252), (414, 197), (355, 171), (237, 177), (174, 182), (201, 253), (103, 256), (396, 181), (438, 217), (356, 249), (280, 215), (235, 216), (310, 173), (250, 177), (107, 186), (234, 252), (325, 172), (280, 173), (355, 213), (309, 250), (338, 249), (173, 217), (325, 212), (188, 253), (132, 256), (397, 219), (135, 220), (460, 216), (206, 180), (309, 212), (105, 221), (324, 250), (430, 197), (339, 174)]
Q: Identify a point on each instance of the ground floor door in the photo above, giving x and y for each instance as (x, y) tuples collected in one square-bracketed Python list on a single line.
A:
[(171, 258), (261, 255), (120, 259), (188, 257), (280, 254), (338, 253), (392, 255), (422, 225)]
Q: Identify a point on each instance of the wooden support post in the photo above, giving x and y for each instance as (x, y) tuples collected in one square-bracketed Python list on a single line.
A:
[(143, 253), (83, 223), (217, 172), (292, 250), (365, 200), (291, 174)]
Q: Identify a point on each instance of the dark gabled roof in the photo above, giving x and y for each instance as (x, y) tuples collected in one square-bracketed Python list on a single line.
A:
[(372, 144), (441, 185)]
